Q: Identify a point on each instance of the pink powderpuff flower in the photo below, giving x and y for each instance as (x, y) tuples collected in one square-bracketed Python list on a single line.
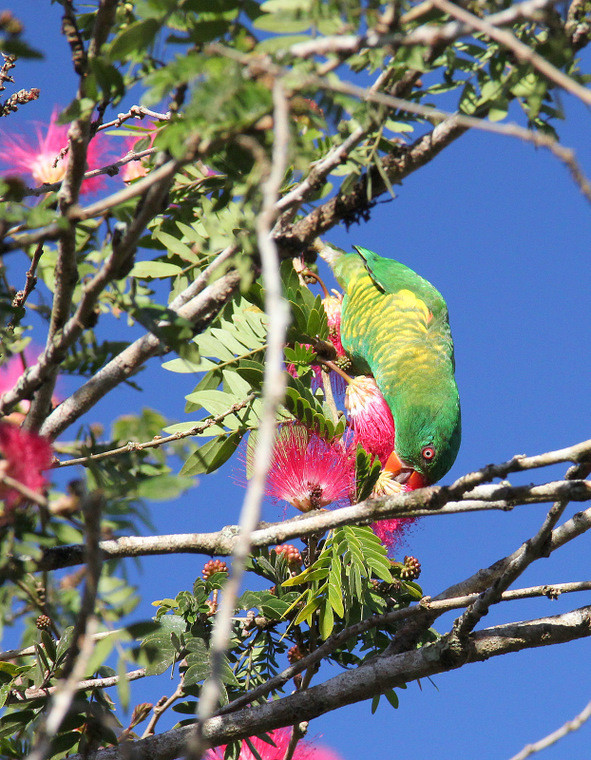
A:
[(42, 161), (304, 750), (25, 456), (370, 417), (391, 530), (332, 306), (10, 374), (307, 471)]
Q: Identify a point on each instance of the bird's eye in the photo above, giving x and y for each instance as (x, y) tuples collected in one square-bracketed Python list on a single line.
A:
[(428, 453)]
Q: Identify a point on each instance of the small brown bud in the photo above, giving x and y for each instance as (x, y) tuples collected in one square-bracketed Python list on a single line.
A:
[(291, 554), (140, 713), (411, 569), (10, 24), (212, 567), (294, 654), (43, 622), (344, 363)]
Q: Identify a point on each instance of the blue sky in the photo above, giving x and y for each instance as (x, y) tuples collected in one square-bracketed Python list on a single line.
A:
[(502, 231)]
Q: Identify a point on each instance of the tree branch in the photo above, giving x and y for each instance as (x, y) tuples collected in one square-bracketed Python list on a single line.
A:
[(548, 741), (423, 502), (66, 269), (521, 51), (345, 45), (373, 677)]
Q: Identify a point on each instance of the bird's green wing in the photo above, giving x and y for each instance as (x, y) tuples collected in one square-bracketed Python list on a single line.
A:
[(391, 277)]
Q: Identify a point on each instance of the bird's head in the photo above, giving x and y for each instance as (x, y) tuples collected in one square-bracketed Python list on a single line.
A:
[(427, 443)]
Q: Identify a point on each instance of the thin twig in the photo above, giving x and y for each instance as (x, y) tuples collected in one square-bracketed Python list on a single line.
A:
[(298, 731), (520, 49), (30, 281), (273, 390), (160, 440), (548, 741), (160, 708), (63, 696), (13, 654), (135, 112), (24, 490), (88, 683), (110, 169)]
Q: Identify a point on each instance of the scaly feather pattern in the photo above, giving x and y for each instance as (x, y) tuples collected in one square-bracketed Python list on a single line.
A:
[(395, 326)]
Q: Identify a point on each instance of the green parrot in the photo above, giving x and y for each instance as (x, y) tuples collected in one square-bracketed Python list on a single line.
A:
[(394, 326)]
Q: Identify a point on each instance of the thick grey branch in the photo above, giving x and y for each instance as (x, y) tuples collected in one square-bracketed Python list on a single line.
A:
[(373, 677), (429, 501)]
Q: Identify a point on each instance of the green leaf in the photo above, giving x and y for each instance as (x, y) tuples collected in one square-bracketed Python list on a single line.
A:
[(123, 686), (318, 571), (107, 77), (141, 628), (335, 594), (212, 454), (325, 620), (154, 269), (64, 644), (134, 38), (13, 723), (497, 113), (366, 473), (157, 649), (274, 608), (163, 487), (174, 245), (308, 610), (49, 645), (392, 698), (102, 649), (279, 23), (273, 44)]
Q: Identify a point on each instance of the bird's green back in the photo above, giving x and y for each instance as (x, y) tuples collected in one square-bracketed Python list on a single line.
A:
[(395, 326)]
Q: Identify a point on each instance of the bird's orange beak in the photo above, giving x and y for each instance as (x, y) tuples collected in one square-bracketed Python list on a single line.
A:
[(404, 473)]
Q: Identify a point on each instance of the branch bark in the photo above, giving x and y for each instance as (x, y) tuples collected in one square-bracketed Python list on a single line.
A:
[(423, 502)]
